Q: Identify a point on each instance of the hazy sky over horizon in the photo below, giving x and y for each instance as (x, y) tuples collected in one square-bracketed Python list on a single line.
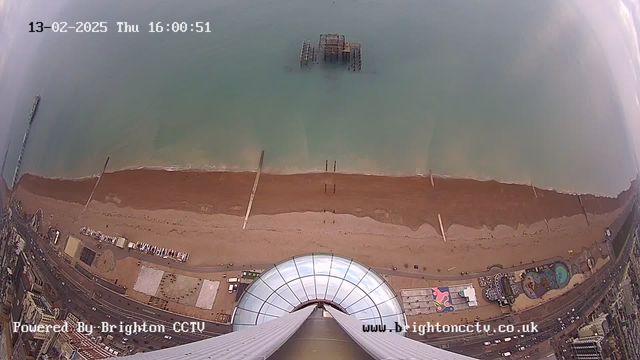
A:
[(17, 49)]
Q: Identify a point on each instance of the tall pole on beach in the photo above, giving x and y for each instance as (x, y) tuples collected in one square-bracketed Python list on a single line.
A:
[(253, 191), (96, 185)]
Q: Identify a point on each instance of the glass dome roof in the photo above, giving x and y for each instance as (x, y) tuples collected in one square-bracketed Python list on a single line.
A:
[(344, 283)]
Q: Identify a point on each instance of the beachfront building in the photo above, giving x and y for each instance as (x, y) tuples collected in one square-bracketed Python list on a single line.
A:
[(599, 326), (37, 311), (73, 344), (502, 288), (469, 293), (588, 348), (316, 306)]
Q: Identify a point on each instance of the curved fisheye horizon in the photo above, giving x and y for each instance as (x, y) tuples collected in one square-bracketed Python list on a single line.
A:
[(319, 179), (492, 123)]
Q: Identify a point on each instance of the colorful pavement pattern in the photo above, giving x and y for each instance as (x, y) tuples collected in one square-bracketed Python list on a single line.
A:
[(442, 299), (536, 284), (562, 275)]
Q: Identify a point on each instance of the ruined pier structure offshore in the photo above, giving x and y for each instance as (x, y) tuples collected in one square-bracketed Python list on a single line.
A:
[(307, 53), (332, 47), (24, 140)]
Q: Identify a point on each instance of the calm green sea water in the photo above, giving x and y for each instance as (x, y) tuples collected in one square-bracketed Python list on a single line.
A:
[(512, 90)]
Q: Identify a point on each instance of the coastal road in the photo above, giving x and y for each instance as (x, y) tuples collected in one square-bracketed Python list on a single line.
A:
[(82, 295), (78, 299), (563, 307), (120, 254), (114, 306), (579, 301)]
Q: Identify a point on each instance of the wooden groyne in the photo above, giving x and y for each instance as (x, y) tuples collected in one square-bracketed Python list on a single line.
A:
[(96, 185), (253, 191)]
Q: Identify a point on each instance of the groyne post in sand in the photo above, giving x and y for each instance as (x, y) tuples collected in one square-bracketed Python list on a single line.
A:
[(431, 177), (444, 236), (584, 210), (547, 223), (96, 185), (534, 190), (326, 169), (334, 165), (253, 191)]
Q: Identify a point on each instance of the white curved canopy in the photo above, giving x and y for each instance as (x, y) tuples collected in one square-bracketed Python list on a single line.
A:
[(343, 282)]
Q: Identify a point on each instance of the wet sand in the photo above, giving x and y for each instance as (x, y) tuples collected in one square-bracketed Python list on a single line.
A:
[(406, 201), (383, 222)]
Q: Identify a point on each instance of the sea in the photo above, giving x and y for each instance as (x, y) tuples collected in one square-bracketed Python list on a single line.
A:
[(518, 91)]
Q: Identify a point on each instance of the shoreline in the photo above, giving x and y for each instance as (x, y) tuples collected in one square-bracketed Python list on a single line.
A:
[(289, 172), (407, 201)]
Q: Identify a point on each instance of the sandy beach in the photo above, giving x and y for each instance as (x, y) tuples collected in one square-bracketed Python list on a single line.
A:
[(381, 221), (406, 201)]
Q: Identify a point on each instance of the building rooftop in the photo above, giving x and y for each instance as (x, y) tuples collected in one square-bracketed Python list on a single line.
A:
[(83, 344), (41, 304)]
